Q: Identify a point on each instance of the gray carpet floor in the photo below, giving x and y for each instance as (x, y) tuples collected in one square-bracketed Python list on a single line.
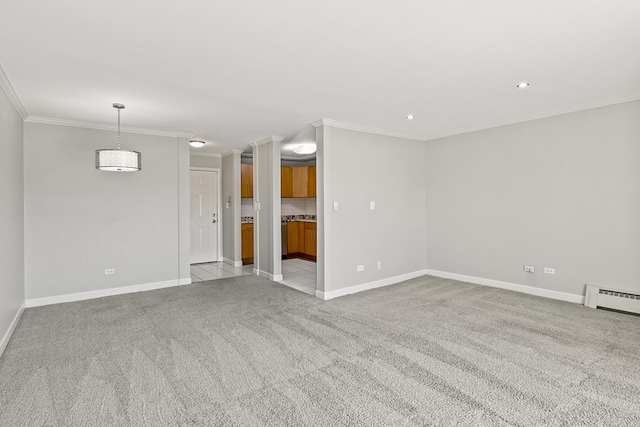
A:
[(248, 352)]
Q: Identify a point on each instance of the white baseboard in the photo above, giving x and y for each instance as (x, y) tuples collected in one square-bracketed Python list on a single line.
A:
[(81, 296), (12, 327), (232, 262), (267, 275), (531, 290), (371, 285)]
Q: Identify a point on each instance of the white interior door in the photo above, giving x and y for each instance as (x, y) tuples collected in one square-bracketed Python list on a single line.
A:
[(204, 216)]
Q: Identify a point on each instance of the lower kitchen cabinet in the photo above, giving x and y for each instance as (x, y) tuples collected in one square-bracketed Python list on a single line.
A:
[(309, 238), (301, 238), (247, 243), (293, 233)]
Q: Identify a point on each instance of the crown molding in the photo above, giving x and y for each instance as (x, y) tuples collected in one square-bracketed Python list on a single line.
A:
[(485, 125), (266, 140), (102, 126), (529, 117), (5, 83), (193, 154), (230, 152), (367, 129)]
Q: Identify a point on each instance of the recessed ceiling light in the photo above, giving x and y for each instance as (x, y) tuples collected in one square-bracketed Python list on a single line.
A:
[(523, 85), (308, 148), (197, 143), (411, 117)]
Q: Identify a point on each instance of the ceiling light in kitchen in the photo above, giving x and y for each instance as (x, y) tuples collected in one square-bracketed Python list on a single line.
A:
[(308, 148)]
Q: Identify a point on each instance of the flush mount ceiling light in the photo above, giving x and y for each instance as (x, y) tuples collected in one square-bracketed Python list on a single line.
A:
[(197, 143), (522, 85), (410, 117), (118, 160), (308, 148)]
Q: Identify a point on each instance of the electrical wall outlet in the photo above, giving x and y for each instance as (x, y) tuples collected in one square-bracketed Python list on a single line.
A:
[(549, 270), (372, 205), (360, 268), (379, 265), (335, 206), (110, 271), (529, 268)]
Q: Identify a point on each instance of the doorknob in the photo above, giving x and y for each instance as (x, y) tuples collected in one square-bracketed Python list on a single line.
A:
[(214, 221)]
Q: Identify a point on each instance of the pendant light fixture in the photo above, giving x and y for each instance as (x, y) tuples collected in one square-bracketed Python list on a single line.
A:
[(118, 160)]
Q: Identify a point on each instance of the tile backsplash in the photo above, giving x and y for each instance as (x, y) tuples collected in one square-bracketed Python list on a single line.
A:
[(246, 207), (298, 207), (288, 207)]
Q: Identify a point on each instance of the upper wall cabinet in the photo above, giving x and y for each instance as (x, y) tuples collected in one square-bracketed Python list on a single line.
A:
[(311, 188), (286, 181), (298, 181), (246, 180), (301, 181)]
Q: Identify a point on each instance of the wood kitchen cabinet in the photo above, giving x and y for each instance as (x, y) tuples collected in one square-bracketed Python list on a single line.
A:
[(246, 180), (293, 237), (301, 238), (297, 181), (300, 181), (286, 182), (311, 186), (247, 243), (309, 238)]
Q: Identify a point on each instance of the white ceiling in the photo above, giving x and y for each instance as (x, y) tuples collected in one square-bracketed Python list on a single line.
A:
[(232, 72)]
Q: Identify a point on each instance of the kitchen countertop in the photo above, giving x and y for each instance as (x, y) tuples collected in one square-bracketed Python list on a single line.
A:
[(284, 219)]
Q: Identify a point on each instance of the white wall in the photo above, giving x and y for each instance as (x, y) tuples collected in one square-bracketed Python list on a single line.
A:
[(11, 218), (561, 192), (80, 221), (231, 233), (359, 168), (204, 161)]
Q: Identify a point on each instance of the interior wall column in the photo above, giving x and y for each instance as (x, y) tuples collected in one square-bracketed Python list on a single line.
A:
[(267, 214), (231, 208), (324, 201)]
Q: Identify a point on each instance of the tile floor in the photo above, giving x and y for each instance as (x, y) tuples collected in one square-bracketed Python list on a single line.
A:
[(217, 270), (298, 273)]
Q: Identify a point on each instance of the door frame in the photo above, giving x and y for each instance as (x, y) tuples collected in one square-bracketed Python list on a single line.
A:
[(219, 207)]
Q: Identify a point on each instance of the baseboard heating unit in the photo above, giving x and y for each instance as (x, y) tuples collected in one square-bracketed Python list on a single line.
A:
[(612, 298)]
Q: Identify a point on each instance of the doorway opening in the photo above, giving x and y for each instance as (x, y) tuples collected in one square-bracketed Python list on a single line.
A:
[(298, 222)]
